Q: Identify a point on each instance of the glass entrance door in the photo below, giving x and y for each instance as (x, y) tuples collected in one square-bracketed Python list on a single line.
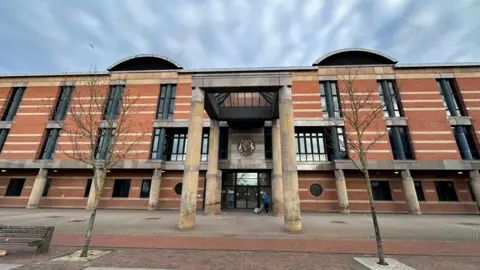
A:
[(244, 190)]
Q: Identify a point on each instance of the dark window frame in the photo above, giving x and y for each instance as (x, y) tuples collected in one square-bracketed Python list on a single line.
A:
[(121, 188), (445, 195), (114, 102), (330, 87), (47, 151), (143, 193), (381, 190), (63, 101), (311, 145), (268, 142), (223, 143), (15, 187), (166, 102), (3, 137), (455, 95), (419, 190), (404, 140), (46, 188), (205, 144), (472, 142), (103, 140), (88, 186), (394, 98), (14, 100)]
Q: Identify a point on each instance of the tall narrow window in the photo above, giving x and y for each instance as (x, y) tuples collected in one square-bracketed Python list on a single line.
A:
[(466, 142), (419, 191), (3, 137), (381, 190), (115, 96), (310, 145), (204, 152), (329, 98), (145, 189), (13, 103), (400, 142), (48, 148), (46, 188), (450, 97), (63, 100), (176, 145), (446, 191), (103, 142), (390, 98), (121, 188), (87, 188), (15, 187), (223, 143), (158, 143), (268, 142), (166, 102), (342, 143)]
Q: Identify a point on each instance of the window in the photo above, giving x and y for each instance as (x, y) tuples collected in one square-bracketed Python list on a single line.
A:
[(48, 148), (103, 143), (121, 188), (381, 190), (63, 100), (450, 97), (145, 190), (419, 191), (466, 142), (310, 146), (400, 143), (47, 187), (389, 97), (13, 102), (166, 102), (3, 137), (316, 190), (268, 142), (87, 188), (178, 188), (204, 154), (330, 99), (176, 145), (158, 143), (342, 143), (15, 187), (446, 191), (223, 143), (112, 108)]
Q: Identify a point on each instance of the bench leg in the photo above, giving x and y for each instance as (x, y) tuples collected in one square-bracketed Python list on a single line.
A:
[(43, 248)]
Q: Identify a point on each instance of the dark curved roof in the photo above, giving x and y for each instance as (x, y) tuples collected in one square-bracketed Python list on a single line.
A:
[(354, 56), (144, 62)]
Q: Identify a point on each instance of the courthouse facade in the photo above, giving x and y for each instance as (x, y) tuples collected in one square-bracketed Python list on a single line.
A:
[(251, 131)]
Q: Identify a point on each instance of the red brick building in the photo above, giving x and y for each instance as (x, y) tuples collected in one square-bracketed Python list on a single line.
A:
[(431, 150)]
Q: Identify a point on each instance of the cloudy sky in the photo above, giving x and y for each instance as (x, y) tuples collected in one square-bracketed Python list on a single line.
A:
[(54, 35)]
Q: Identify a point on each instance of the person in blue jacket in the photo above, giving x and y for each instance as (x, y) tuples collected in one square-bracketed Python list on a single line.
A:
[(265, 202)]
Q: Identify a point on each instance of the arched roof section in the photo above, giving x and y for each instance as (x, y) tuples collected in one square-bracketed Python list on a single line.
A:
[(144, 62), (354, 56)]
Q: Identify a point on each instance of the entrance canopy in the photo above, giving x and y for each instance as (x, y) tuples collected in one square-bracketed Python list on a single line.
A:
[(242, 99)]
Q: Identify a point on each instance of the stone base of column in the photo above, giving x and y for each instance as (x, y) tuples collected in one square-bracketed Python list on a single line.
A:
[(37, 189), (475, 185), (410, 193), (212, 204), (154, 190), (342, 194), (291, 207)]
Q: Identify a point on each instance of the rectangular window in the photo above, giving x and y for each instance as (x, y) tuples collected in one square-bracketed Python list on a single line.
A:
[(166, 101), (342, 142), (176, 145), (63, 100), (3, 137), (121, 188), (145, 191), (310, 146), (419, 191), (13, 103), (446, 191), (204, 153), (48, 148), (466, 142), (268, 142), (390, 98), (400, 142), (87, 188), (451, 97), (47, 187), (330, 99), (158, 144), (103, 143), (114, 102), (381, 190), (15, 187), (223, 143)]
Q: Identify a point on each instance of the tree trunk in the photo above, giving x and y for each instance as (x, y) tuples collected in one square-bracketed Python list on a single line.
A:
[(381, 258), (91, 221)]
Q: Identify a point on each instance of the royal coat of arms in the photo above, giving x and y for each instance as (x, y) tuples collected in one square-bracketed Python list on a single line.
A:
[(246, 147)]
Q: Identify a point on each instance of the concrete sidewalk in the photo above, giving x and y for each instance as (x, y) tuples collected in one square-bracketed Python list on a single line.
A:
[(243, 224)]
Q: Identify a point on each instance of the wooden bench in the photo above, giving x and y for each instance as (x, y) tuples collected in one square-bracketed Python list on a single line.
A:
[(39, 236)]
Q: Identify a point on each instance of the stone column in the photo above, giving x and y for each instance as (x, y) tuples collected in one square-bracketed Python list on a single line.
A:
[(410, 193), (91, 194), (475, 185), (37, 189), (277, 185), (154, 189), (212, 205), (291, 201), (188, 205), (342, 193), (218, 194)]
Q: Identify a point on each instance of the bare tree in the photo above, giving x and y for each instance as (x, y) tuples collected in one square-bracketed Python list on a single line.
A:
[(365, 128), (100, 130)]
